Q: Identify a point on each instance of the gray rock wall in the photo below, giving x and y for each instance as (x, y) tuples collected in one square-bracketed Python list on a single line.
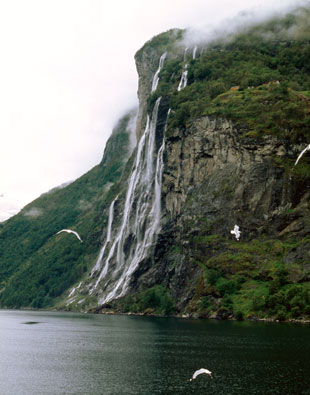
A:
[(214, 178)]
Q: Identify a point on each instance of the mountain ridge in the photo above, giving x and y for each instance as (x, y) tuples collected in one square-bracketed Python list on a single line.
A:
[(223, 151)]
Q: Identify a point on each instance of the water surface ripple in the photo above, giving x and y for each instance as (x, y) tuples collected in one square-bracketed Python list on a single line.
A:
[(66, 353)]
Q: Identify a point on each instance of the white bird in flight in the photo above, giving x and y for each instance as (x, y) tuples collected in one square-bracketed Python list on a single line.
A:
[(301, 154), (200, 371), (70, 231), (236, 232)]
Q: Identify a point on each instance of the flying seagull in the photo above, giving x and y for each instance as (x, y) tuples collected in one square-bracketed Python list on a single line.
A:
[(236, 232), (301, 154), (200, 371), (70, 231)]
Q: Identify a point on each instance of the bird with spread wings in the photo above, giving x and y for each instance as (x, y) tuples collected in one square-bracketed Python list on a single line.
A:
[(200, 371), (70, 231)]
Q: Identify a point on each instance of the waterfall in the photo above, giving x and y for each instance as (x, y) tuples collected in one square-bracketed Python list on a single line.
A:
[(194, 52), (183, 81), (185, 53), (74, 289), (156, 76), (140, 223), (141, 216), (108, 240), (156, 209), (119, 241)]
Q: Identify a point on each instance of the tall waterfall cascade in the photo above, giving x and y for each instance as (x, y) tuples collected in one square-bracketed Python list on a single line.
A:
[(156, 76), (108, 240), (185, 54), (183, 80), (128, 245)]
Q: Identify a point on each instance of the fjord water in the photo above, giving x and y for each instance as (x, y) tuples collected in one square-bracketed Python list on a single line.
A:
[(66, 353)]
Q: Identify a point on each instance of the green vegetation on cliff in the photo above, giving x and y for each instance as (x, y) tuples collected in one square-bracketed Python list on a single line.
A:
[(36, 265), (155, 300), (161, 43), (260, 278), (260, 79)]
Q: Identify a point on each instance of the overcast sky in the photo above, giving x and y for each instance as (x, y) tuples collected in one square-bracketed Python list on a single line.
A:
[(67, 74)]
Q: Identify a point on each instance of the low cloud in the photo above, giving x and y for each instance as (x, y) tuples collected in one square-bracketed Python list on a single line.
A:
[(247, 19), (84, 205), (131, 128), (34, 212)]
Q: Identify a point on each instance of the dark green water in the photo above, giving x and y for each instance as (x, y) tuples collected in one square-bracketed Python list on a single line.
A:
[(60, 353)]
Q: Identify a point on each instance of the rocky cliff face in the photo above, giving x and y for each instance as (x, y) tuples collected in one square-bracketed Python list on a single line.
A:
[(146, 63), (237, 180), (167, 244), (217, 175), (157, 225), (213, 179), (147, 60)]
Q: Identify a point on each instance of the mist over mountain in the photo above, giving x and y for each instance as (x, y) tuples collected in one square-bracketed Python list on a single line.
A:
[(214, 143)]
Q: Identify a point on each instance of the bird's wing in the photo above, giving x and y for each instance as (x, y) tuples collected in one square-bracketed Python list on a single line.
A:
[(70, 231), (77, 235), (198, 372), (301, 154)]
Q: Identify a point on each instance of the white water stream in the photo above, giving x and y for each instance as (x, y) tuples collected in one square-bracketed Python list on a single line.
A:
[(140, 222), (183, 81), (156, 76), (107, 241), (141, 214)]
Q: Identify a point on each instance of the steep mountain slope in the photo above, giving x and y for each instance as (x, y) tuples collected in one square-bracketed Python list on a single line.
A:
[(36, 265), (220, 126), (233, 134)]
